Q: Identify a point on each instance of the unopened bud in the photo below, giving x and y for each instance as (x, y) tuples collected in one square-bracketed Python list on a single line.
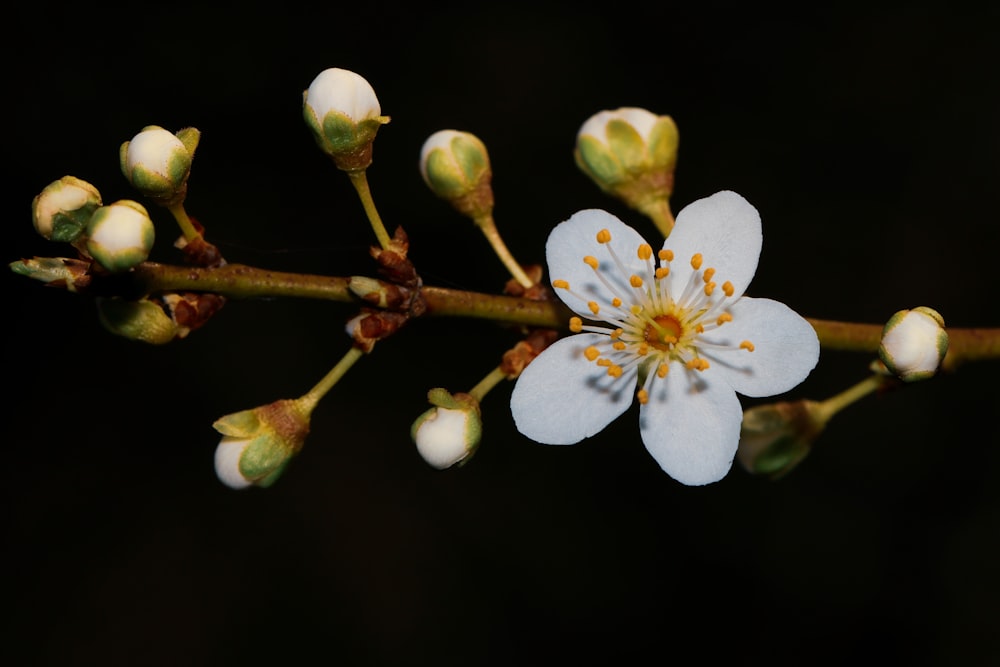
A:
[(61, 211), (456, 167), (142, 320), (343, 112), (774, 438), (449, 433), (120, 235), (258, 444), (157, 162), (914, 343)]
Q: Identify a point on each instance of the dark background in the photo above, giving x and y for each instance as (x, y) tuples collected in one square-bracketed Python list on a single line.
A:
[(869, 141)]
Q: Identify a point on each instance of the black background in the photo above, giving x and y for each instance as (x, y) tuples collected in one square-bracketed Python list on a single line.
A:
[(869, 141)]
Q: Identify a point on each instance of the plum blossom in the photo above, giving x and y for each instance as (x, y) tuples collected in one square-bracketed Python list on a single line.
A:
[(670, 328)]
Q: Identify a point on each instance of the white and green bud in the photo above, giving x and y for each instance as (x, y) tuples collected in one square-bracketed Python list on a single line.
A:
[(456, 167), (142, 320), (61, 211), (774, 438), (120, 235), (914, 343), (630, 153), (258, 444), (342, 111), (449, 433), (157, 162)]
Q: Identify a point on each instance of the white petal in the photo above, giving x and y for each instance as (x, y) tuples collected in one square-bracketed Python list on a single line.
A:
[(726, 230), (786, 348), (227, 462), (561, 398), (691, 426), (572, 240)]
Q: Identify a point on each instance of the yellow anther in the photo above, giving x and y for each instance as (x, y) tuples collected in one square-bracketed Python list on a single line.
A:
[(728, 288), (560, 284), (747, 345), (645, 251), (643, 349), (591, 261), (643, 396), (662, 370), (616, 334), (603, 236), (709, 288), (697, 364), (709, 272), (591, 353), (636, 309), (619, 345), (615, 371), (699, 328), (723, 318), (616, 302), (662, 272), (604, 362), (594, 308), (666, 255), (635, 281), (575, 324), (696, 261)]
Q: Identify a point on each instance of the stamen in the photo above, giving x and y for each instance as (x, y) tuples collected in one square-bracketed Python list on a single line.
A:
[(666, 255), (747, 345), (708, 273), (594, 308), (698, 364), (615, 371), (723, 318), (728, 288), (616, 302), (616, 334), (709, 288), (643, 396), (605, 362), (662, 272), (619, 345), (696, 261), (591, 353), (662, 370), (575, 324), (591, 261), (604, 236), (645, 251), (560, 284), (635, 281)]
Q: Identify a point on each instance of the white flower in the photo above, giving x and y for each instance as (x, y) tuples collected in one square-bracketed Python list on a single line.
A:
[(673, 329)]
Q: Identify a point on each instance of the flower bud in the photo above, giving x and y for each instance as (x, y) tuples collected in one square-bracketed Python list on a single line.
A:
[(775, 437), (61, 211), (258, 444), (629, 153), (157, 163), (456, 166), (142, 320), (914, 343), (341, 109), (69, 273), (120, 235), (448, 434)]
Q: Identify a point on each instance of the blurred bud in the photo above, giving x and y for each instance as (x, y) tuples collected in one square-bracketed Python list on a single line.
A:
[(914, 343), (71, 274), (258, 444), (629, 153), (456, 167), (448, 434), (61, 211), (157, 163), (120, 235), (341, 109), (774, 438), (142, 320)]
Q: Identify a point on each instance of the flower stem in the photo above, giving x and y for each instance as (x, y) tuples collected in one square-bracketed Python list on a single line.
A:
[(658, 210), (184, 222), (489, 229), (487, 383), (831, 406), (309, 400), (359, 179)]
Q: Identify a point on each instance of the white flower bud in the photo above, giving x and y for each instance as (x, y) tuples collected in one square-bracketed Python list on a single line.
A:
[(448, 434), (258, 444), (227, 462), (61, 211), (157, 162), (120, 235), (343, 112), (914, 343)]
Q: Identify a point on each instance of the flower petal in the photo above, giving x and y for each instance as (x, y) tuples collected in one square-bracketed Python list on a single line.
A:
[(725, 229), (561, 398), (572, 240), (785, 348), (691, 426)]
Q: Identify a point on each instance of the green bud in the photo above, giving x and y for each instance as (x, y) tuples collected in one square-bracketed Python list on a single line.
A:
[(914, 343), (258, 444), (157, 163), (72, 274), (456, 166), (449, 433), (120, 235), (142, 320), (629, 153), (774, 438), (342, 111), (61, 211)]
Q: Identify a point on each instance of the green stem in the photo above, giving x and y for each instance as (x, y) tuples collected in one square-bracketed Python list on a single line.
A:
[(489, 229), (831, 406), (312, 397), (658, 210), (184, 222), (359, 179), (487, 383)]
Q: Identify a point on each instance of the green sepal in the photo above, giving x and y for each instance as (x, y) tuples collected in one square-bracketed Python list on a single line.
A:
[(263, 459), (627, 145), (593, 158), (243, 424), (445, 181), (662, 143), (470, 157), (190, 137)]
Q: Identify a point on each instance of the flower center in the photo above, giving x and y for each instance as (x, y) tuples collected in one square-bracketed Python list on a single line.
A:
[(656, 320)]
